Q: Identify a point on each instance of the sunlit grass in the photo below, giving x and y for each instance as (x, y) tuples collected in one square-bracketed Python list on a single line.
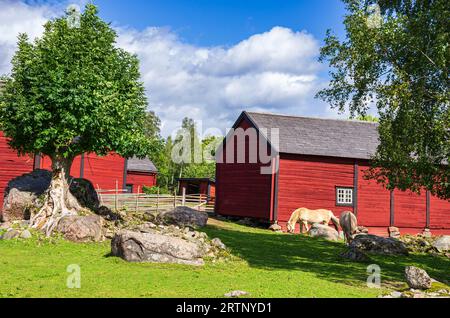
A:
[(265, 264)]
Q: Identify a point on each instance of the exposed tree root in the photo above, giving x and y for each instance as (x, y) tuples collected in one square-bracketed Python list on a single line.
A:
[(59, 202)]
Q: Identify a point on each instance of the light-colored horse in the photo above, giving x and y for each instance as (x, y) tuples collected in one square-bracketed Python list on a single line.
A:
[(349, 225), (305, 216)]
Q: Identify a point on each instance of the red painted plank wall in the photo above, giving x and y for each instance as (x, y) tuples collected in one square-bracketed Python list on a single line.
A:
[(439, 213), (104, 171), (101, 171), (140, 179), (373, 201), (212, 190), (241, 189), (409, 209), (306, 181), (11, 165), (46, 163)]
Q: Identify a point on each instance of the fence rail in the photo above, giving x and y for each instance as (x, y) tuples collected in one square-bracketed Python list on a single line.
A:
[(119, 199)]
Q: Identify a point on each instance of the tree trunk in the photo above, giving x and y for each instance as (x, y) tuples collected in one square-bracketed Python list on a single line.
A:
[(58, 201)]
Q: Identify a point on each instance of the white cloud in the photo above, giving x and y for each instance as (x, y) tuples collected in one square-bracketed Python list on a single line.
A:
[(274, 71), (17, 17)]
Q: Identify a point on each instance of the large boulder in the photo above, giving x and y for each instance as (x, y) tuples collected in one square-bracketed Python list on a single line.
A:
[(81, 228), (355, 255), (323, 231), (84, 191), (156, 247), (379, 245), (442, 244), (417, 278), (182, 216), (23, 195)]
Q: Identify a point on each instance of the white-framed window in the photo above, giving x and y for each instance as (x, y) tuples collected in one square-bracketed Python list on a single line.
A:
[(344, 196)]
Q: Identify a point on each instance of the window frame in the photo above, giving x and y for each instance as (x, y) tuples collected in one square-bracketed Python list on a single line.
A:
[(352, 189), (128, 187)]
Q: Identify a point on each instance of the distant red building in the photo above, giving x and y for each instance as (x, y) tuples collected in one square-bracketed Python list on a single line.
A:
[(140, 173), (103, 172), (321, 165), (204, 186)]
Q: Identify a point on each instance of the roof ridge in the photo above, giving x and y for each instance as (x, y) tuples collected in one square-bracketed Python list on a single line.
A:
[(310, 117)]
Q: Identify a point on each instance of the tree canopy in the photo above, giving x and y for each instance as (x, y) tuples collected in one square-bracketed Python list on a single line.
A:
[(73, 91), (395, 57)]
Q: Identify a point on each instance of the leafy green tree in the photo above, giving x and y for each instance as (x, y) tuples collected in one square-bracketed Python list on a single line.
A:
[(70, 92), (368, 118), (207, 167), (152, 126), (396, 56)]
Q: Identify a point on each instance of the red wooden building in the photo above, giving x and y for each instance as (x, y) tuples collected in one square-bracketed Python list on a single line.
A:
[(140, 173), (103, 172), (321, 164), (204, 186)]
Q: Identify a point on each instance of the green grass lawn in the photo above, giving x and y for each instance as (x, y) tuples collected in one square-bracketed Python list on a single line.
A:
[(265, 265)]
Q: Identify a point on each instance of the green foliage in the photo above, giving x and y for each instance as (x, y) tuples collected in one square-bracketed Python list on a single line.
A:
[(400, 65), (154, 190), (368, 118), (73, 91), (201, 164)]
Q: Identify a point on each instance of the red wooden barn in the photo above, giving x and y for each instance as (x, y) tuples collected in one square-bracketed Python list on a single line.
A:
[(321, 164), (103, 172)]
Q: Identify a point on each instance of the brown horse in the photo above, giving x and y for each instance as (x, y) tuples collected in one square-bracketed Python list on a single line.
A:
[(349, 225), (306, 216)]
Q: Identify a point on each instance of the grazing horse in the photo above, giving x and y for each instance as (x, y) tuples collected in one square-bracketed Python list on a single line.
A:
[(305, 216), (349, 225)]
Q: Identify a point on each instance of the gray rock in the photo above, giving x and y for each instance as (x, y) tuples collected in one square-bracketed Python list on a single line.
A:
[(11, 234), (442, 244), (355, 255), (23, 192), (417, 278), (396, 294), (25, 234), (379, 245), (184, 217), (218, 243), (81, 228), (236, 293), (362, 229), (323, 231), (155, 247), (84, 191), (5, 225), (275, 227), (394, 232)]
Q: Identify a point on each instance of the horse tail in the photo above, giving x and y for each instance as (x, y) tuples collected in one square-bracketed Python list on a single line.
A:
[(335, 221)]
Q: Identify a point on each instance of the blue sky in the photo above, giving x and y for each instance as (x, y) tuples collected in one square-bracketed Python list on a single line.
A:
[(225, 22), (208, 59)]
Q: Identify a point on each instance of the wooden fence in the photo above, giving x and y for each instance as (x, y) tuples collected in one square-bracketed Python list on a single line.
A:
[(119, 199)]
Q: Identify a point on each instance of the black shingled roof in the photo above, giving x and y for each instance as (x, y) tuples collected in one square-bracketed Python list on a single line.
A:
[(141, 165), (320, 137)]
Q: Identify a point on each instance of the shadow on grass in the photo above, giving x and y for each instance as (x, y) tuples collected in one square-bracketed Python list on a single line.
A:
[(297, 252)]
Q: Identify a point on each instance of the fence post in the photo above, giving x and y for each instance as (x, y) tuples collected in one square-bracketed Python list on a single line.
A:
[(116, 199), (137, 199), (183, 200), (174, 198), (99, 194), (157, 201)]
